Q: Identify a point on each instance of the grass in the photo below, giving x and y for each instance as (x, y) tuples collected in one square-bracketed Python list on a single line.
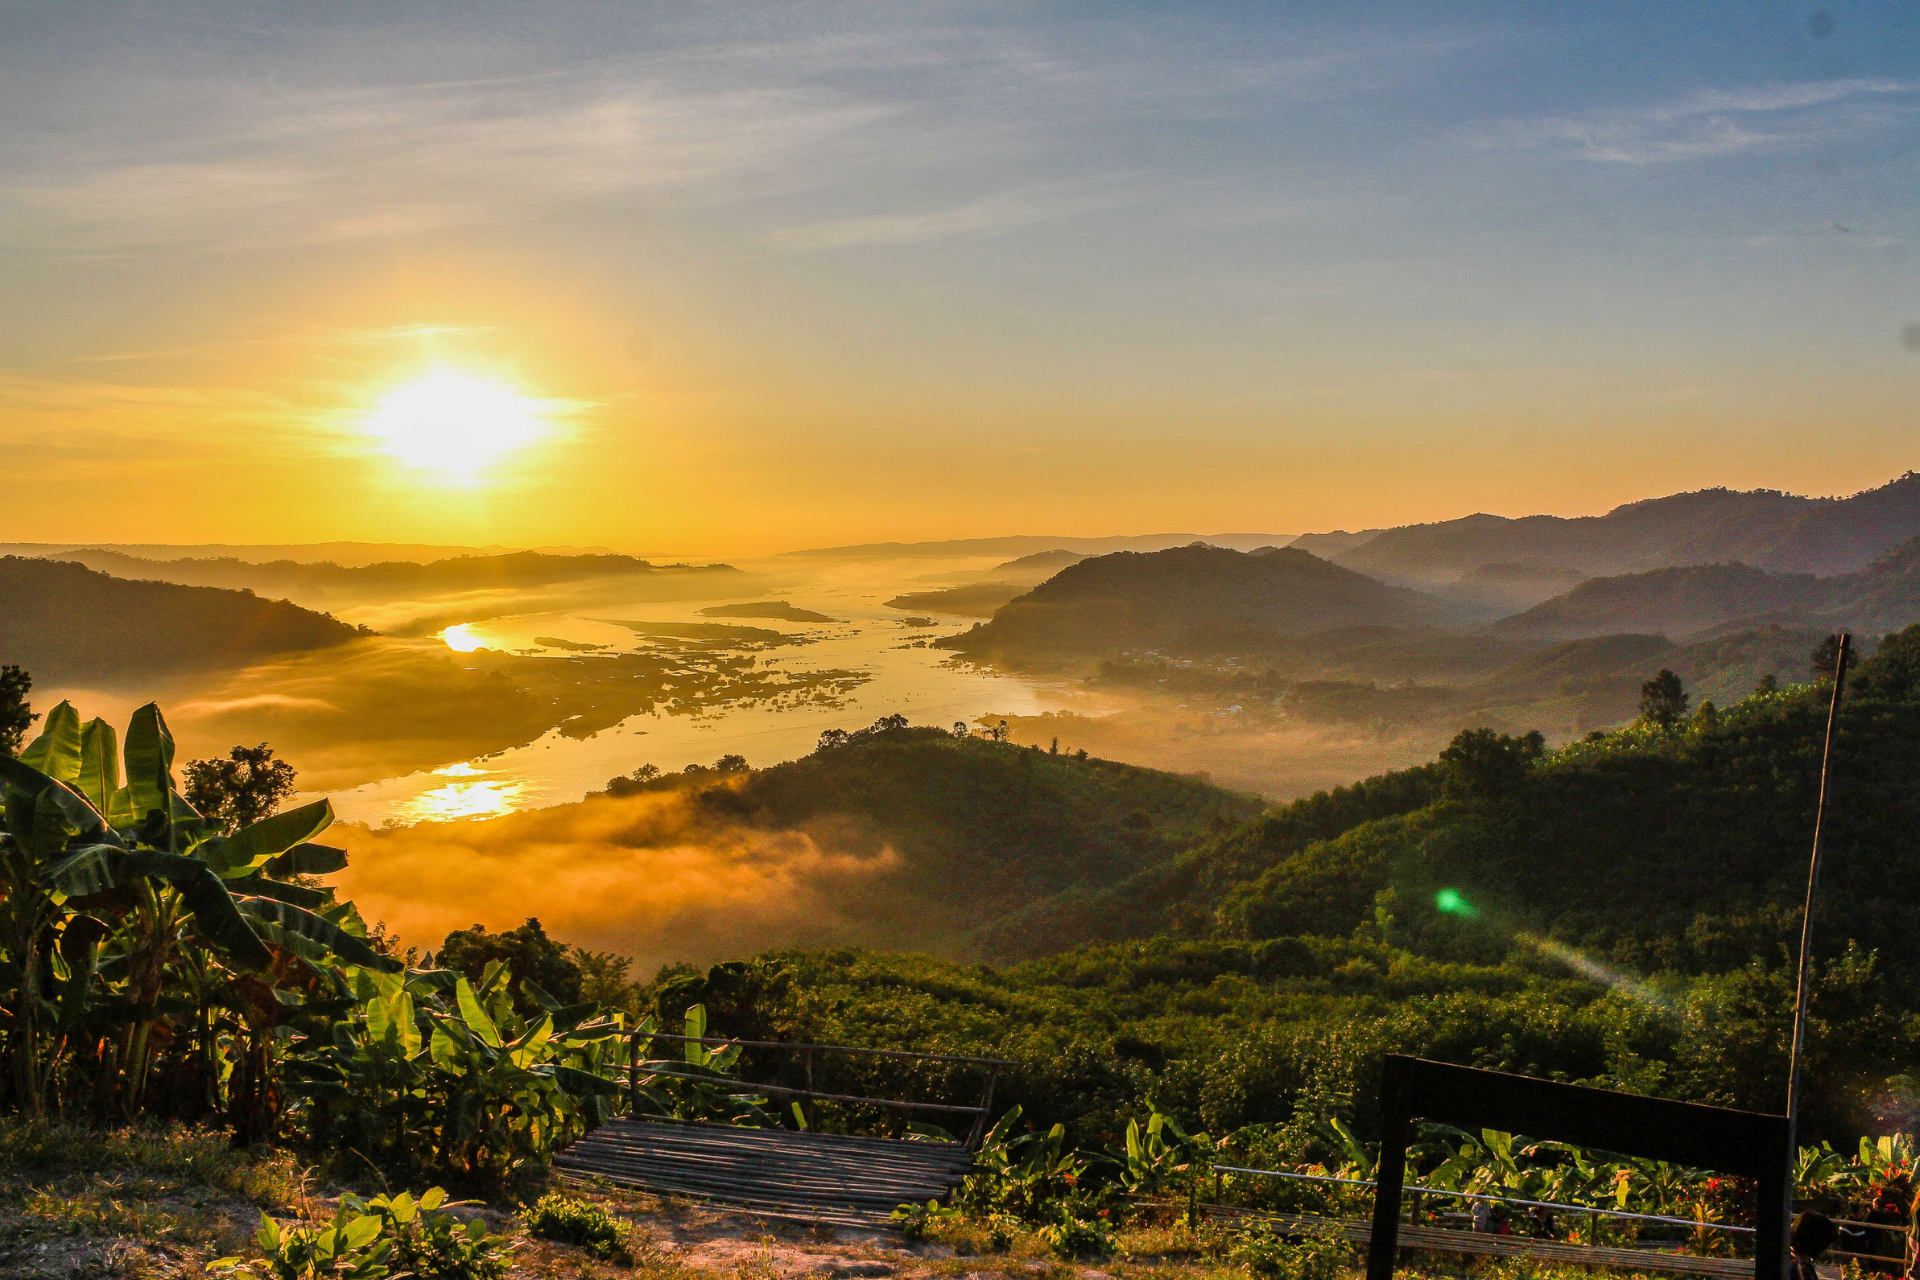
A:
[(143, 1200)]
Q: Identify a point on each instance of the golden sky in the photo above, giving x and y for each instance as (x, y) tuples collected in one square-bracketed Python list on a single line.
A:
[(771, 278)]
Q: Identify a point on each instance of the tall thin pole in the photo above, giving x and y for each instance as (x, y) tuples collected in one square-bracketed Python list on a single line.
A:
[(1802, 992)]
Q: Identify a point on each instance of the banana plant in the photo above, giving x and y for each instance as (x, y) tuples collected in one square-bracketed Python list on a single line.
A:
[(1162, 1155), (122, 879), (427, 1071), (701, 1083)]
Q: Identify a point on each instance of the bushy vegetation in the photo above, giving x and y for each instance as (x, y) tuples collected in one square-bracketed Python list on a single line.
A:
[(157, 962), (373, 1239), (583, 1223)]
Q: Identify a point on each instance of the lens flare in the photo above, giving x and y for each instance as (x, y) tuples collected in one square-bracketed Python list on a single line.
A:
[(1449, 902)]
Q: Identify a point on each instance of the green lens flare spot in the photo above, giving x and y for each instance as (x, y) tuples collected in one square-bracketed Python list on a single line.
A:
[(1450, 902)]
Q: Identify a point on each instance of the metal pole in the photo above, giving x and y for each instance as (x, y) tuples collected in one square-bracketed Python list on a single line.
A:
[(1802, 993)]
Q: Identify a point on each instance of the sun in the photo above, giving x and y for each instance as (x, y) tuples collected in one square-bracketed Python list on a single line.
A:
[(453, 425)]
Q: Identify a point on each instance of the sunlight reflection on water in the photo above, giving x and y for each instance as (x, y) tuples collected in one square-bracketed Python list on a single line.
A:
[(488, 798)]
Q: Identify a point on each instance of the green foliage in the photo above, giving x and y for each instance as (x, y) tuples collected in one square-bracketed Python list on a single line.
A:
[(138, 941), (1163, 1156), (240, 790), (527, 951), (388, 1236), (1074, 1237), (918, 1222), (582, 1223), (1021, 1174), (1270, 1254), (425, 1073), (699, 1083), (16, 714), (1662, 700)]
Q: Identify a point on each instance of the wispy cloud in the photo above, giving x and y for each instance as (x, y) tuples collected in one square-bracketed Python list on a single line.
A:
[(990, 215), (355, 165), (1713, 122)]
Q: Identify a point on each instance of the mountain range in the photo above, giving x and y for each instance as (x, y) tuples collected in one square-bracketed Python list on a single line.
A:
[(380, 580), (1765, 528)]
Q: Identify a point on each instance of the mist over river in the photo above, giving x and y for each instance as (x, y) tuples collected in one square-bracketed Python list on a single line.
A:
[(900, 675)]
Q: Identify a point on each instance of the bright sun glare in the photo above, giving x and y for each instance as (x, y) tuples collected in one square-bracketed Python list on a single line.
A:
[(454, 425)]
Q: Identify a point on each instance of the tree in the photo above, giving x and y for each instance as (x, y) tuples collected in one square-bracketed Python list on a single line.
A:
[(16, 717), (731, 763), (1663, 700), (240, 790), (1480, 764), (1826, 656), (528, 952)]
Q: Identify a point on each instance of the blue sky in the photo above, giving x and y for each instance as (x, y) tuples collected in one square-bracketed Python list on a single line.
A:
[(930, 270)]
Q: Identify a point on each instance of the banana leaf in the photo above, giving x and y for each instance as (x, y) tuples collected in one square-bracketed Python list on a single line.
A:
[(474, 1016), (100, 868), (99, 775), (247, 852), (297, 894), (56, 752), (305, 924), (576, 1081), (149, 755), (306, 860)]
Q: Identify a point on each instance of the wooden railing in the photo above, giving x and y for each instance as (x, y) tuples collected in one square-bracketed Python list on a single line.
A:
[(990, 1068)]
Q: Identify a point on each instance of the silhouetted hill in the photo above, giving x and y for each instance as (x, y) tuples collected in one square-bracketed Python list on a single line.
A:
[(1884, 596), (1025, 544), (1777, 531), (387, 579), (1671, 602), (975, 600), (1133, 600), (68, 624), (1036, 568)]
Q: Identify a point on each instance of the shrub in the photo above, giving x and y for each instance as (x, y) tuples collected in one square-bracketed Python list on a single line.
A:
[(576, 1222), (1297, 1255), (1072, 1237), (375, 1239)]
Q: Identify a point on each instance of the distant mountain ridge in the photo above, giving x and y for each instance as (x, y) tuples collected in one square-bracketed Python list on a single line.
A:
[(1146, 599), (1026, 544), (1694, 599), (390, 577), (342, 553), (1781, 532), (68, 624)]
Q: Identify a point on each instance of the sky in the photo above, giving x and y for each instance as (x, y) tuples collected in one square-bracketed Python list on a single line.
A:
[(752, 277)]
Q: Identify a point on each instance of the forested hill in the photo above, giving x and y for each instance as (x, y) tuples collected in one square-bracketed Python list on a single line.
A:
[(71, 625), (1656, 849), (387, 579), (1132, 600), (974, 830), (1621, 912), (1778, 531)]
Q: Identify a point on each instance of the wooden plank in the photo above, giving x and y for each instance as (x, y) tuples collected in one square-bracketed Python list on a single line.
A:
[(780, 1172)]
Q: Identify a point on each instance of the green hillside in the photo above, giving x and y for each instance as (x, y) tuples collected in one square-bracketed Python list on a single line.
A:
[(978, 829), (1621, 912), (70, 625)]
